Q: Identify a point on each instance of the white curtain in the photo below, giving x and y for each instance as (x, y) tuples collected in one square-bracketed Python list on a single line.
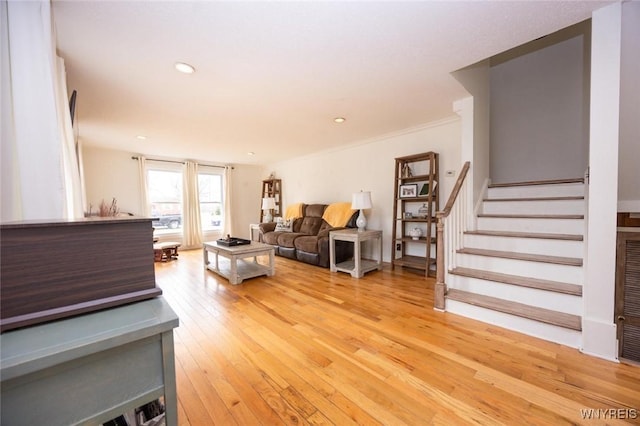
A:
[(228, 219), (83, 187), (191, 223), (145, 208), (38, 161), (74, 208), (11, 205)]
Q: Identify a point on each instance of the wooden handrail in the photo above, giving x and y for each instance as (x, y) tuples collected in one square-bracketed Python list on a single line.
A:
[(441, 287), (455, 191)]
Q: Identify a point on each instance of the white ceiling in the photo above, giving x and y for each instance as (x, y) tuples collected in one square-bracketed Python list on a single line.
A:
[(271, 76)]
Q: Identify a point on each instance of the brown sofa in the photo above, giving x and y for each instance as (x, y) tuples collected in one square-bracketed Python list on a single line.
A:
[(308, 240)]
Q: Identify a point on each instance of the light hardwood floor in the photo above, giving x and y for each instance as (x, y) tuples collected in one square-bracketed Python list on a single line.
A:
[(308, 346)]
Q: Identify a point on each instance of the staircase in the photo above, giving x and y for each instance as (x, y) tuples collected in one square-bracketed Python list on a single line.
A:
[(522, 268)]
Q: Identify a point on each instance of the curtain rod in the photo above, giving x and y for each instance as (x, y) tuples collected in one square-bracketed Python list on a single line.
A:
[(134, 157)]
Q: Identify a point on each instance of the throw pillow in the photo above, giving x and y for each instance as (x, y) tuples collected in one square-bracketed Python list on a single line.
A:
[(284, 226)]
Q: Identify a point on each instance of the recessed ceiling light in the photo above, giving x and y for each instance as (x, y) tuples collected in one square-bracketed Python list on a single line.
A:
[(185, 68), (141, 137), (250, 153), (339, 119)]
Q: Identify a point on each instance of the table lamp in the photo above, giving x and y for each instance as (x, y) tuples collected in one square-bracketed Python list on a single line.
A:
[(268, 204), (360, 201)]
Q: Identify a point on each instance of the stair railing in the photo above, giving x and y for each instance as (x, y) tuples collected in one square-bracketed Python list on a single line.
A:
[(450, 228)]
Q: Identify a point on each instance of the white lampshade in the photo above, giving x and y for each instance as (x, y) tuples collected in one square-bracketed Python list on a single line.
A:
[(361, 200), (268, 203)]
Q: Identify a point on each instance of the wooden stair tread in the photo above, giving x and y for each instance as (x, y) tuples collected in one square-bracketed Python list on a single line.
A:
[(570, 261), (571, 198), (547, 285), (547, 316), (536, 182), (570, 237), (533, 216)]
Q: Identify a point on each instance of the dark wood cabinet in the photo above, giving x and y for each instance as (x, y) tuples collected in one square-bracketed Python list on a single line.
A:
[(56, 269)]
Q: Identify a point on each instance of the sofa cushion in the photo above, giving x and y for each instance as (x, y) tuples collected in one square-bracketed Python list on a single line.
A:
[(307, 244), (271, 238), (296, 224), (267, 227), (314, 210), (286, 239), (325, 228), (311, 225)]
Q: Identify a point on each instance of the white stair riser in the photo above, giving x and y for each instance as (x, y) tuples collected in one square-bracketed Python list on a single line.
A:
[(559, 302), (549, 247), (549, 332), (546, 271), (556, 190), (558, 226), (534, 207)]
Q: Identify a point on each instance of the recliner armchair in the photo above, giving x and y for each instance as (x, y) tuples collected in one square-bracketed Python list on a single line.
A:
[(308, 240)]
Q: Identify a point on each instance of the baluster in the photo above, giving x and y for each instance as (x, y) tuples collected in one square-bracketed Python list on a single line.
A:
[(450, 227)]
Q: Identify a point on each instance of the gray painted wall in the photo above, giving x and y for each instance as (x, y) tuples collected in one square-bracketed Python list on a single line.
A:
[(629, 150), (539, 110)]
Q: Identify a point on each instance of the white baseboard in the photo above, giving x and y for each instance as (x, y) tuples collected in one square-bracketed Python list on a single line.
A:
[(599, 339), (632, 206)]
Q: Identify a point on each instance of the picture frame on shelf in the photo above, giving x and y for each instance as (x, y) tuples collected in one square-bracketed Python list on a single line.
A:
[(407, 215), (409, 190), (424, 192)]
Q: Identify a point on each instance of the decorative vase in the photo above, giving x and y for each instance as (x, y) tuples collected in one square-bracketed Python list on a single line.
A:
[(424, 211), (415, 233)]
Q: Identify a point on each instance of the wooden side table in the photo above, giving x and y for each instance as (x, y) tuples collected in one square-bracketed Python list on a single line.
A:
[(254, 232), (357, 266)]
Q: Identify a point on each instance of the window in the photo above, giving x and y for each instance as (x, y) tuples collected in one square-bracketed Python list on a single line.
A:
[(165, 196), (210, 194), (164, 182)]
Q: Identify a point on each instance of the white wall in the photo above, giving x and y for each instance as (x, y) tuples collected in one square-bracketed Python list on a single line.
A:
[(539, 99), (333, 176), (629, 151), (111, 173), (476, 148), (246, 184)]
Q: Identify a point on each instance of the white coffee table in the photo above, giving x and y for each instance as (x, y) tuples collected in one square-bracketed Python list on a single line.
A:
[(234, 267)]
